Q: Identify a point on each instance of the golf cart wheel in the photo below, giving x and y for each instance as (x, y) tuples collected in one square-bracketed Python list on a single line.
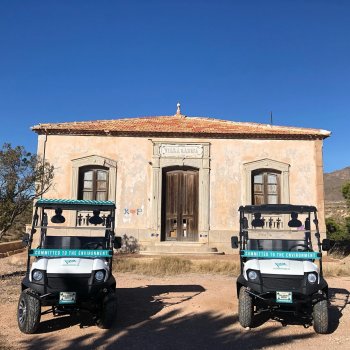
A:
[(245, 308), (320, 316), (108, 311), (28, 312)]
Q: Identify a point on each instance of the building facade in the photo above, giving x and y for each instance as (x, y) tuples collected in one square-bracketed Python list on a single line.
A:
[(181, 179)]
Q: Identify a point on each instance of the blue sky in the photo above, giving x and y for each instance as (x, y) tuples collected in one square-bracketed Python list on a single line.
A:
[(237, 60)]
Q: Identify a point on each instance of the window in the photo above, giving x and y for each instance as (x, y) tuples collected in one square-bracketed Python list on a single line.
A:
[(265, 187), (93, 184), (279, 170)]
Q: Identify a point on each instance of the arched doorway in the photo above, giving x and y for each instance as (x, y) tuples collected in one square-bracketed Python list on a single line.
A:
[(180, 204)]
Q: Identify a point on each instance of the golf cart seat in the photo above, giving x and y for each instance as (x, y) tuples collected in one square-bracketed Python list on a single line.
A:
[(71, 242), (294, 222), (258, 221)]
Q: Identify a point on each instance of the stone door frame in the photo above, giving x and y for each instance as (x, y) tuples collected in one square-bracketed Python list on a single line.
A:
[(199, 160)]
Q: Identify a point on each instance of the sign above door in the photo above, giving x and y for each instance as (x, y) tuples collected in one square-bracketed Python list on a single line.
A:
[(181, 150)]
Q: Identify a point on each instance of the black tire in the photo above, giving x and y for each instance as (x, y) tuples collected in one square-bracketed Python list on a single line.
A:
[(108, 311), (28, 312), (245, 308), (320, 317)]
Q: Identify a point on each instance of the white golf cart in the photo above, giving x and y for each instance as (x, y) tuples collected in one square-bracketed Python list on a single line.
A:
[(280, 271), (71, 269)]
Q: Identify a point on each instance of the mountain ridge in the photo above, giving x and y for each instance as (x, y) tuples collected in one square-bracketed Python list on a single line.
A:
[(335, 204), (333, 183)]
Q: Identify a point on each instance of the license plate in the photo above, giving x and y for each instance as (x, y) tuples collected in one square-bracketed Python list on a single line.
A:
[(284, 297), (67, 297)]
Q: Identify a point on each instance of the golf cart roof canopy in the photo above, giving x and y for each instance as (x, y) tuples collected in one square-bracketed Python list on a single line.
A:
[(74, 204), (277, 208)]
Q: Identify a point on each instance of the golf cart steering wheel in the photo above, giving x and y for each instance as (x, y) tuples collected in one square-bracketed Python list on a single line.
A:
[(93, 245), (307, 248)]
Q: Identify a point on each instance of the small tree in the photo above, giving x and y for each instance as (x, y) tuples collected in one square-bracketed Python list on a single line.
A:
[(23, 177), (347, 225), (346, 193), (335, 230)]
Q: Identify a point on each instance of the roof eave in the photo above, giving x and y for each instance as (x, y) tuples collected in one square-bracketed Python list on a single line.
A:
[(50, 131)]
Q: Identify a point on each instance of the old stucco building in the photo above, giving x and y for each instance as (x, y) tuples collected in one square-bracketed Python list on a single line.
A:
[(179, 180)]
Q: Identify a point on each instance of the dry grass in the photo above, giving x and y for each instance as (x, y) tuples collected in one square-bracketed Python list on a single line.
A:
[(336, 269), (163, 266), (221, 267), (166, 265), (155, 267)]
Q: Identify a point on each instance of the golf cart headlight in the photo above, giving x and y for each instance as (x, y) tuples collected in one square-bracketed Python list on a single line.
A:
[(37, 275), (252, 275), (99, 276), (312, 278)]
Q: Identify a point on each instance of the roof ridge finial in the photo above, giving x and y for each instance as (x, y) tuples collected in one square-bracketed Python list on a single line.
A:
[(178, 111)]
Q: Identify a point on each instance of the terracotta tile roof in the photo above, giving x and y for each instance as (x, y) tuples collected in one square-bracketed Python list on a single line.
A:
[(179, 125)]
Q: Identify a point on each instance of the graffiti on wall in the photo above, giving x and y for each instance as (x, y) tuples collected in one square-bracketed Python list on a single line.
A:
[(132, 211)]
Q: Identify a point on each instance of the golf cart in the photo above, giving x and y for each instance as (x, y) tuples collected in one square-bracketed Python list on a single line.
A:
[(280, 271), (71, 269)]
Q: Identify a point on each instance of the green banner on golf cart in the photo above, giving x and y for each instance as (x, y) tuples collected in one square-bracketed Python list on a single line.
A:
[(75, 253), (270, 254)]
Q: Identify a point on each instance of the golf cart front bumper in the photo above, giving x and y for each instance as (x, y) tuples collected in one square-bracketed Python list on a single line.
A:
[(269, 299), (302, 293), (86, 289)]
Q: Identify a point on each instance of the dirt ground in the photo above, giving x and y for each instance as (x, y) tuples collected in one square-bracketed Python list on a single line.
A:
[(193, 311)]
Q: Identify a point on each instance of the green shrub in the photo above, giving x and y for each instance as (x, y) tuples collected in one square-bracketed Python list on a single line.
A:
[(337, 231)]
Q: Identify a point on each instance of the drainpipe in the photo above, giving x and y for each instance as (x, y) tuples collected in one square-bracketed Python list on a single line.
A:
[(44, 154)]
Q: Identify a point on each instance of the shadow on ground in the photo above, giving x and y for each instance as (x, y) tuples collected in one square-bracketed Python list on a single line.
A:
[(135, 305), (339, 298), (137, 328)]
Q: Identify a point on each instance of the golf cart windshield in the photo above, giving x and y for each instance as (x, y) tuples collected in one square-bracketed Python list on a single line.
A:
[(279, 245), (74, 226), (277, 228)]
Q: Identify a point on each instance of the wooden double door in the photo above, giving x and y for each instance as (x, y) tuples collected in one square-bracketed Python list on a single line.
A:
[(180, 205)]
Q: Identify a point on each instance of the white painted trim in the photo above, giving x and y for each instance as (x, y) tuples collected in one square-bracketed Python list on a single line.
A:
[(92, 160), (266, 163), (203, 166)]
